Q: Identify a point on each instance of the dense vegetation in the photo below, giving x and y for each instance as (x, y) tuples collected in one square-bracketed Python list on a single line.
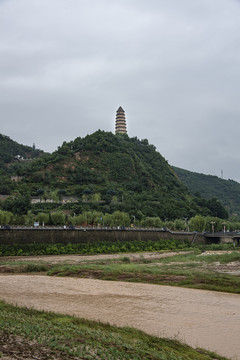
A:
[(45, 335), (11, 150), (208, 186), (107, 173), (98, 219), (100, 247), (14, 157)]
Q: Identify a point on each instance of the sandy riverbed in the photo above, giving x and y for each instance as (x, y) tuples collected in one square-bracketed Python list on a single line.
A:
[(200, 318)]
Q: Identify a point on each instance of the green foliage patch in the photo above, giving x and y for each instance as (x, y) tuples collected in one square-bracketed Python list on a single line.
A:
[(103, 247)]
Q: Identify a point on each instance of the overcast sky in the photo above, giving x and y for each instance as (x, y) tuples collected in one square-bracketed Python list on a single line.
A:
[(173, 65)]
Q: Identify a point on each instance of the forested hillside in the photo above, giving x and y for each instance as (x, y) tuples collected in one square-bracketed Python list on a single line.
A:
[(111, 172), (11, 150), (208, 186), (14, 157), (106, 172)]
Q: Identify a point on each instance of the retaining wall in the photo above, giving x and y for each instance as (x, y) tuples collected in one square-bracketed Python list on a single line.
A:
[(53, 236)]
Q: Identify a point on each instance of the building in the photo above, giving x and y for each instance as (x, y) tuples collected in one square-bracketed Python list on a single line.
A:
[(16, 178), (120, 127)]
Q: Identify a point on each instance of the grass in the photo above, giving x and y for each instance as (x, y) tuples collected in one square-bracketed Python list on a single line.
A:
[(192, 270), (189, 270), (23, 267), (83, 339), (223, 258)]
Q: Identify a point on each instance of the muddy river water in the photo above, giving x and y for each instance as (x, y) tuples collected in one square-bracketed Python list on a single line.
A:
[(199, 318)]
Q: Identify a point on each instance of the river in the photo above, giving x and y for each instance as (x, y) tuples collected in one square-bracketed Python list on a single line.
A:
[(200, 318)]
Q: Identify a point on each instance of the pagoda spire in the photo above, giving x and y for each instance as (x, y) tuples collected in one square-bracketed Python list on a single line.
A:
[(120, 127)]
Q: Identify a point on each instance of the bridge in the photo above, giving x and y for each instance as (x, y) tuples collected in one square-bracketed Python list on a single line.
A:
[(223, 237)]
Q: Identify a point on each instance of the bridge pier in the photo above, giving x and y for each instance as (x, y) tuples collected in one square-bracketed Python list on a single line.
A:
[(226, 240), (223, 238)]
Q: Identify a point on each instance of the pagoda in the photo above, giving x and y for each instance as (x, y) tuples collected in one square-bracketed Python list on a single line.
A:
[(120, 127)]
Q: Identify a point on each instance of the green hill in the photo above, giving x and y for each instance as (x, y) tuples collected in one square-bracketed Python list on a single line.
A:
[(107, 172), (112, 172), (208, 186), (13, 152), (14, 157)]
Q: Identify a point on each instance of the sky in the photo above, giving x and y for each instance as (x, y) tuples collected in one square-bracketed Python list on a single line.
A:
[(173, 65)]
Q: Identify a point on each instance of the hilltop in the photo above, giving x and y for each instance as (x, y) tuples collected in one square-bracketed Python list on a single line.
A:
[(14, 157), (12, 152)]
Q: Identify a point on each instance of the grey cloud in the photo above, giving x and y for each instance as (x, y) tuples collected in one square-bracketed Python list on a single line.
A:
[(66, 66)]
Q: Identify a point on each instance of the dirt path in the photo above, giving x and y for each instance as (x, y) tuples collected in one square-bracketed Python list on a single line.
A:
[(200, 318)]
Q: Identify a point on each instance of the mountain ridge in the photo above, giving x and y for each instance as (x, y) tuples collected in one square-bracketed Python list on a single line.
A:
[(209, 186)]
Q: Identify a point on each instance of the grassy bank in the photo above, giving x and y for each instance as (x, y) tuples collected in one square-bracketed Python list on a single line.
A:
[(188, 270), (65, 337), (210, 271)]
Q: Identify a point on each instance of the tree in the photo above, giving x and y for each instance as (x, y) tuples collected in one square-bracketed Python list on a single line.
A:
[(197, 223), (96, 216), (54, 196), (179, 224), (18, 205), (213, 222), (5, 217), (96, 197), (29, 218), (61, 193), (121, 218), (58, 218), (40, 193), (217, 209), (80, 219), (5, 189), (155, 222), (92, 217), (43, 218), (107, 220)]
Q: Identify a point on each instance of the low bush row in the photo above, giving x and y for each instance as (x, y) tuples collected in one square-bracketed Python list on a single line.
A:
[(103, 247)]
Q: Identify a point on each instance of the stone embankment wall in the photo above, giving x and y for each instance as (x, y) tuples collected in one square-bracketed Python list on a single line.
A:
[(53, 236)]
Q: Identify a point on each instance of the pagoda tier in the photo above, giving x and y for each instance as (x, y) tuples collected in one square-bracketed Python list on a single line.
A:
[(120, 127)]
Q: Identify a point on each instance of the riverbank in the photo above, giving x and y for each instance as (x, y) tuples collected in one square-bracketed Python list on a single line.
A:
[(199, 318)]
